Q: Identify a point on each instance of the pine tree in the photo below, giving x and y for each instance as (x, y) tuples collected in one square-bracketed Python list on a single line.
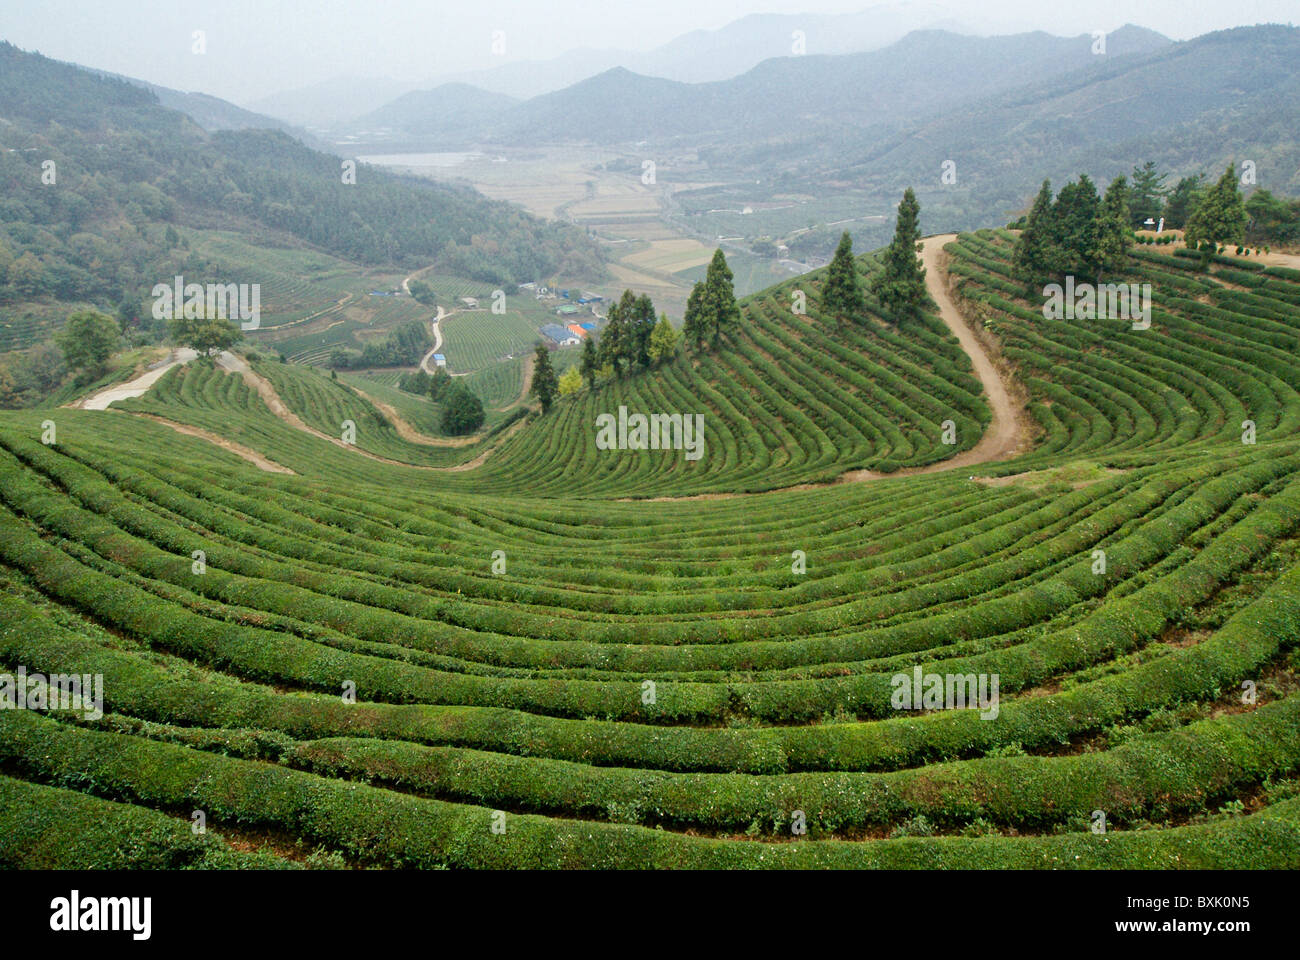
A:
[(613, 338), (544, 383), (1115, 235), (900, 286), (842, 294), (694, 326), (1034, 258), (1147, 197), (590, 362), (640, 328), (719, 300), (1077, 233), (1219, 217), (1183, 200)]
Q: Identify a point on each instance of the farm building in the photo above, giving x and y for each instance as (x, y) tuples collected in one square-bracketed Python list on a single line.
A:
[(470, 302), (588, 326), (559, 335), (439, 360), (567, 310), (576, 330)]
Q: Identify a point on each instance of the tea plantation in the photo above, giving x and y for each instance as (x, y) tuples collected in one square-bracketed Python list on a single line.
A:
[(565, 656)]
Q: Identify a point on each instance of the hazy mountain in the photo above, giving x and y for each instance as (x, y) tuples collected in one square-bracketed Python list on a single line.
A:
[(213, 113), (698, 56), (331, 102), (706, 55), (450, 108), (1197, 105), (793, 97)]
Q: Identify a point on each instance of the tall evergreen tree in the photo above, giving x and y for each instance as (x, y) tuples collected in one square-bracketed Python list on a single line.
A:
[(719, 300), (1076, 218), (1115, 234), (545, 384), (1147, 196), (640, 328), (1183, 200), (613, 337), (842, 294), (1219, 217), (1035, 257), (694, 325), (590, 362), (900, 286)]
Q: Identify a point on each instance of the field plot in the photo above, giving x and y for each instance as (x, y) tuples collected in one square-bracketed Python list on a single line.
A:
[(625, 214), (474, 339)]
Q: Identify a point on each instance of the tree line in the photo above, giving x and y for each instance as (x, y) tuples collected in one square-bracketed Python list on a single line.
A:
[(1078, 232)]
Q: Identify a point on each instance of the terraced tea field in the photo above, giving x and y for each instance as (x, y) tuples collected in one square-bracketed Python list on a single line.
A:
[(526, 651)]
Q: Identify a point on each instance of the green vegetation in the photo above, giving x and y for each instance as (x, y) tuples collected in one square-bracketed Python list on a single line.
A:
[(545, 385), (87, 340), (382, 658), (405, 346), (711, 309), (1080, 234), (841, 296), (900, 286), (1220, 215), (207, 335), (462, 412)]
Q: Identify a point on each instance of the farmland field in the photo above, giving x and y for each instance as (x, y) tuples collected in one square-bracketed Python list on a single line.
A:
[(528, 651)]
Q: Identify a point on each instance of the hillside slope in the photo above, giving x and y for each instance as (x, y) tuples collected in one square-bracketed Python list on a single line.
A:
[(127, 169), (711, 683)]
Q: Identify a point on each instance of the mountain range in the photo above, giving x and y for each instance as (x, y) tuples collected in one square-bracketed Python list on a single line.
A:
[(695, 57)]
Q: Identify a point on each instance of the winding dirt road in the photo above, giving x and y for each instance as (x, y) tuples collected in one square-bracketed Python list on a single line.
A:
[(437, 341)]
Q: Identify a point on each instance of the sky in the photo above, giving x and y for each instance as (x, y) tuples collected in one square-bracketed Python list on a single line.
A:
[(254, 48)]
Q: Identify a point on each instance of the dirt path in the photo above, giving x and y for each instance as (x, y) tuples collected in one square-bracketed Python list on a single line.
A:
[(137, 387), (528, 383), (235, 364), (1005, 434), (248, 453), (437, 341), (404, 428)]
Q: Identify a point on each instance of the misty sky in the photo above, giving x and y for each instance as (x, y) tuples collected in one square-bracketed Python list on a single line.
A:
[(259, 47)]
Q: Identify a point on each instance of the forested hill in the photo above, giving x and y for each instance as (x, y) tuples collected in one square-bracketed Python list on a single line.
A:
[(125, 168)]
